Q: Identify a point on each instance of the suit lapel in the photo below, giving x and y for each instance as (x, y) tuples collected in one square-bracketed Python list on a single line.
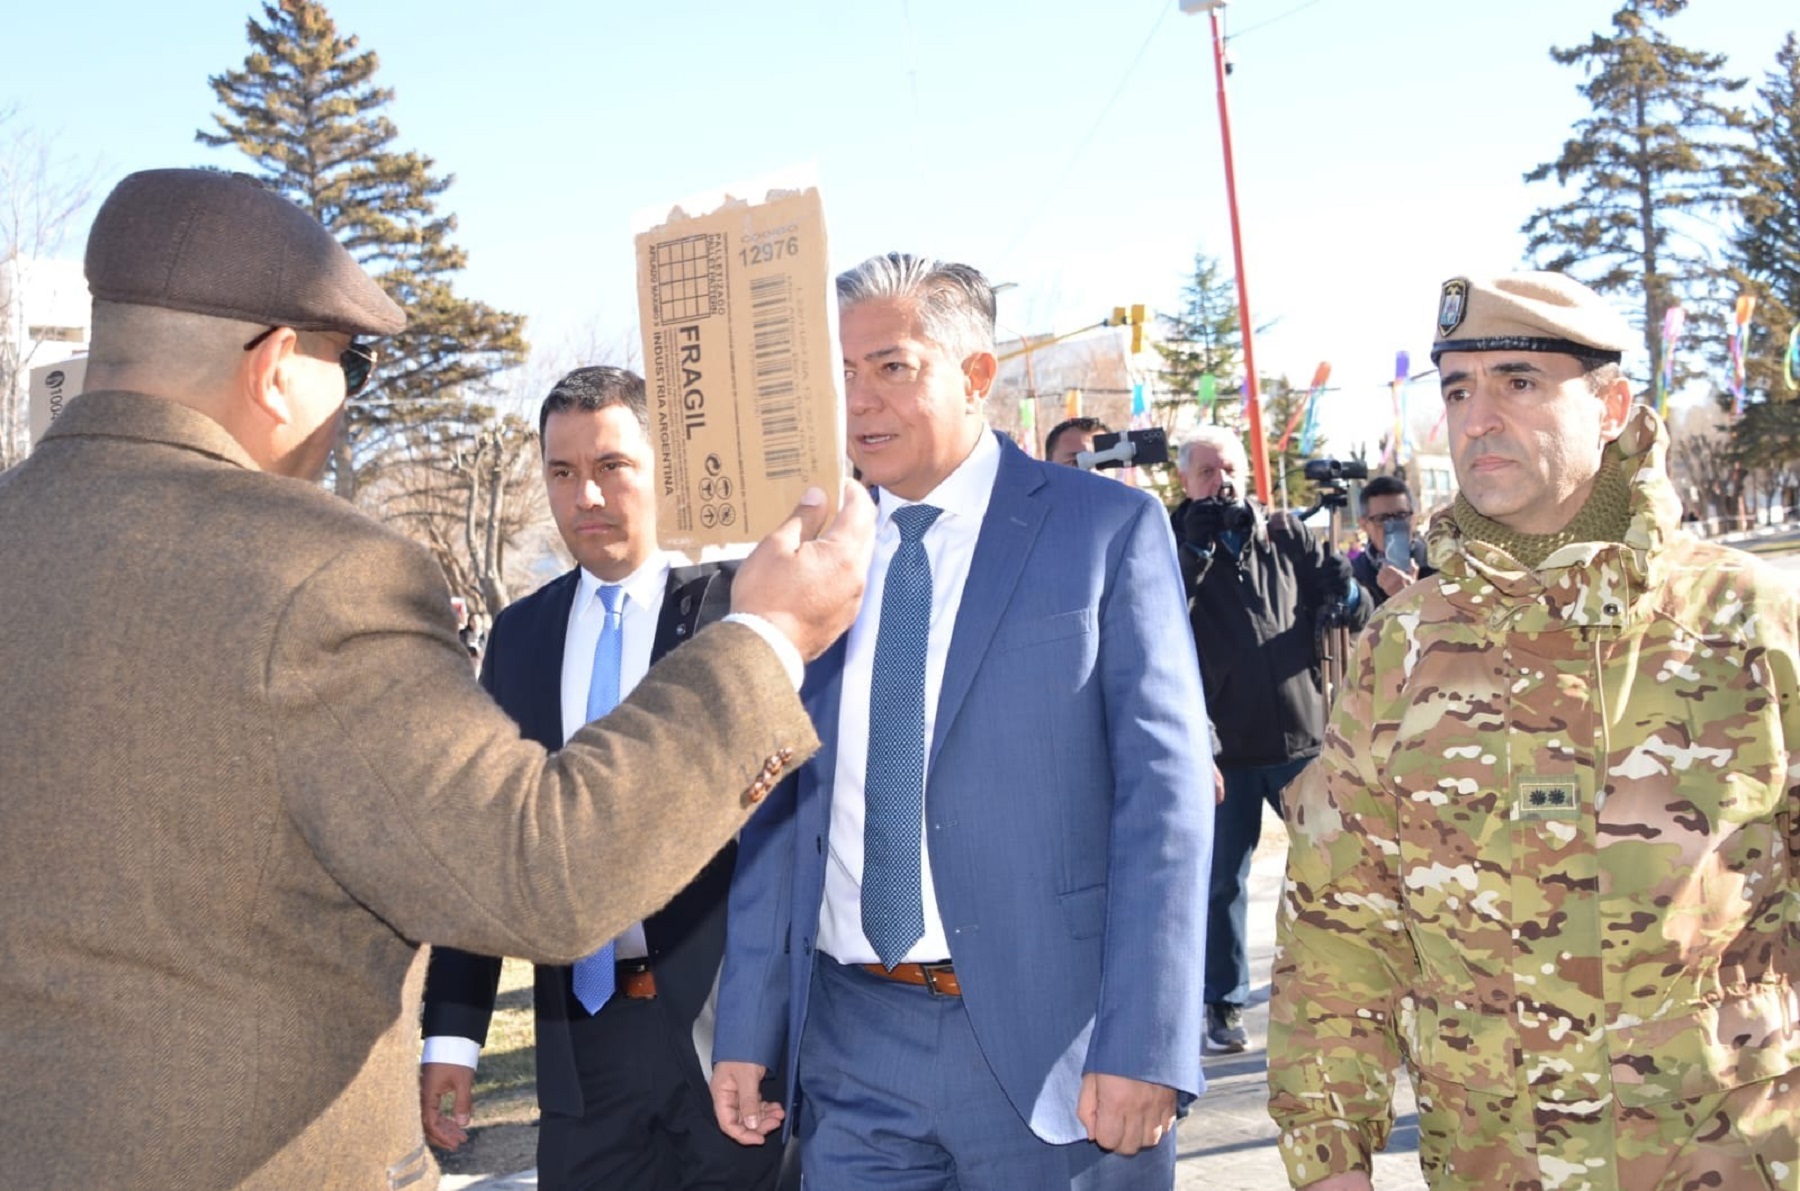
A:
[(541, 717), (1014, 516), (695, 596)]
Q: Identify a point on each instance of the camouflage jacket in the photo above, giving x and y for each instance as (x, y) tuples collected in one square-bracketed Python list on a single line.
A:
[(1548, 857)]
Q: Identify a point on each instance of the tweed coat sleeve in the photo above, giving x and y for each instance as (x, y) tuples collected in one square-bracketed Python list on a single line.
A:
[(417, 794)]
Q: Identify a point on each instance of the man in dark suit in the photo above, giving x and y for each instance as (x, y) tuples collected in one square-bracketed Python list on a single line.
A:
[(971, 928), (620, 1083)]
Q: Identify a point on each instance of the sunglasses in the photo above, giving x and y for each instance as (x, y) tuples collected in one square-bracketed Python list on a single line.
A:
[(357, 361)]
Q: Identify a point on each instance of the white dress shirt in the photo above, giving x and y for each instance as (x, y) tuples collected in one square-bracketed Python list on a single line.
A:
[(642, 608), (950, 545)]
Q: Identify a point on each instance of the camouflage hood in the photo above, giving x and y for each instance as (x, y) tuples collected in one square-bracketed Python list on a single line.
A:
[(1582, 583)]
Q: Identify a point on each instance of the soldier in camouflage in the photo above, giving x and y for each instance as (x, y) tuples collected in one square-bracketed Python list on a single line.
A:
[(1549, 858)]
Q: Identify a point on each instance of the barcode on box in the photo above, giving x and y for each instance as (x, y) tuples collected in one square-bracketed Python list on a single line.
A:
[(777, 405)]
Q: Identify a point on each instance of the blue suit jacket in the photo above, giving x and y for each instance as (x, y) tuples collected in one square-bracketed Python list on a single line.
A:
[(1069, 805)]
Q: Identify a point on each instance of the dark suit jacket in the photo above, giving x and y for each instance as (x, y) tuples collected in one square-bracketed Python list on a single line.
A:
[(243, 767), (522, 669)]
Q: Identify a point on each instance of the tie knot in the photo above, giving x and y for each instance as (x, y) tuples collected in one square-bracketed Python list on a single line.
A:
[(611, 596), (914, 520)]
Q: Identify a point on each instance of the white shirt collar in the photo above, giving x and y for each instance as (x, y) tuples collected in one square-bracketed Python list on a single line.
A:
[(641, 586), (962, 493)]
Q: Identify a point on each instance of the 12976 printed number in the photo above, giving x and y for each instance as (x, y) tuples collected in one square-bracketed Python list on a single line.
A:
[(769, 250)]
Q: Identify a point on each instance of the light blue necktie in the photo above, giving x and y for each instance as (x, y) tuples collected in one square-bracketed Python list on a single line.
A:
[(893, 909), (594, 976)]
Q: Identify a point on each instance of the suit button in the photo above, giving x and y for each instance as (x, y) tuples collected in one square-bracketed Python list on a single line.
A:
[(819, 844), (807, 947)]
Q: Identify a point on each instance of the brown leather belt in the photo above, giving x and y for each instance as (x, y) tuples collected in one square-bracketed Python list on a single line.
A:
[(633, 979), (939, 978)]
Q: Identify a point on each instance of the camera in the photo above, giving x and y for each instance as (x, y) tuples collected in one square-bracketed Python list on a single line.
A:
[(1220, 513), (1327, 471), (1329, 476)]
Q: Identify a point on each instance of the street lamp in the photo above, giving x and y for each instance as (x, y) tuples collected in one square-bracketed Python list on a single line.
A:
[(1259, 453)]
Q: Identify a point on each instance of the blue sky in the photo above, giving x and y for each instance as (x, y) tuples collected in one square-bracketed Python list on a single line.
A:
[(1071, 148)]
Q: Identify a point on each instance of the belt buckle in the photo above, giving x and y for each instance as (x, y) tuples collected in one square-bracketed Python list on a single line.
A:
[(931, 980)]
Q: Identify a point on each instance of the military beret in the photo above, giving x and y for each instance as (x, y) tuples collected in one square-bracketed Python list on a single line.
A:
[(1531, 312), (224, 245)]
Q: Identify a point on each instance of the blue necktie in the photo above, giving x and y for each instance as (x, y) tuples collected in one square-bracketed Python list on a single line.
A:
[(893, 910), (594, 976)]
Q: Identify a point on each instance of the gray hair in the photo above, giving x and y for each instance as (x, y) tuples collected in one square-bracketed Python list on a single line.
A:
[(1227, 444), (955, 302)]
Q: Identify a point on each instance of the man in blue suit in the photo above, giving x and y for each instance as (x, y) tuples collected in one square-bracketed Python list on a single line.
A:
[(972, 927)]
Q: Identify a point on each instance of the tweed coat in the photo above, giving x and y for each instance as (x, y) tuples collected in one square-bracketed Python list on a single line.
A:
[(244, 767)]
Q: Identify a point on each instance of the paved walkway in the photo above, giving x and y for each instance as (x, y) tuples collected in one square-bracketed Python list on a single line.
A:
[(1228, 1142)]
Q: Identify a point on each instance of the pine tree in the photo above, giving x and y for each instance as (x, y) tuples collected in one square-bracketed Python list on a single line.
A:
[(305, 109), (1658, 157), (1764, 255), (1201, 340)]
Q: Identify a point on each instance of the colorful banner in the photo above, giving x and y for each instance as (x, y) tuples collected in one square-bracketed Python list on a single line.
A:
[(1207, 391), (1674, 319), (1398, 444), (1028, 424), (1139, 408), (1307, 411), (1739, 344), (1790, 361), (1072, 403)]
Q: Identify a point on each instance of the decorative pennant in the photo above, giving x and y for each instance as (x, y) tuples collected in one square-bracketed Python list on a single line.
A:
[(1309, 433), (1402, 370), (1739, 342), (1674, 319), (1306, 413)]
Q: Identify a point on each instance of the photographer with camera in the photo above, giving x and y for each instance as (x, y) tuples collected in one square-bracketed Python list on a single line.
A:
[(1396, 556), (1258, 587)]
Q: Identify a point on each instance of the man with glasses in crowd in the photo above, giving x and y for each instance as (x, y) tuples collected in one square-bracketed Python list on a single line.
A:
[(1387, 505)]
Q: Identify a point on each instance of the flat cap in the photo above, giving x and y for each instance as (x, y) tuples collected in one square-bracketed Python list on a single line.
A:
[(221, 244), (1531, 312)]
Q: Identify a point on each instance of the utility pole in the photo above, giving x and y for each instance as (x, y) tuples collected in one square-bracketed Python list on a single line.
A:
[(1259, 452)]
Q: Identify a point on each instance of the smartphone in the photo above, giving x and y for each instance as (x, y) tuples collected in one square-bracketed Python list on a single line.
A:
[(1396, 532), (1148, 446)]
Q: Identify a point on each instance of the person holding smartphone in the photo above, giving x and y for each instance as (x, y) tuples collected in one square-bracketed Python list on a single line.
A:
[(1396, 556)]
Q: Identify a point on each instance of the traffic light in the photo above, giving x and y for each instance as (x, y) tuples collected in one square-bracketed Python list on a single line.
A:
[(1132, 317)]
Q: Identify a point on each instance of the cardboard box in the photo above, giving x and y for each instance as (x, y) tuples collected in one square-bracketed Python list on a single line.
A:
[(51, 387), (742, 364)]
